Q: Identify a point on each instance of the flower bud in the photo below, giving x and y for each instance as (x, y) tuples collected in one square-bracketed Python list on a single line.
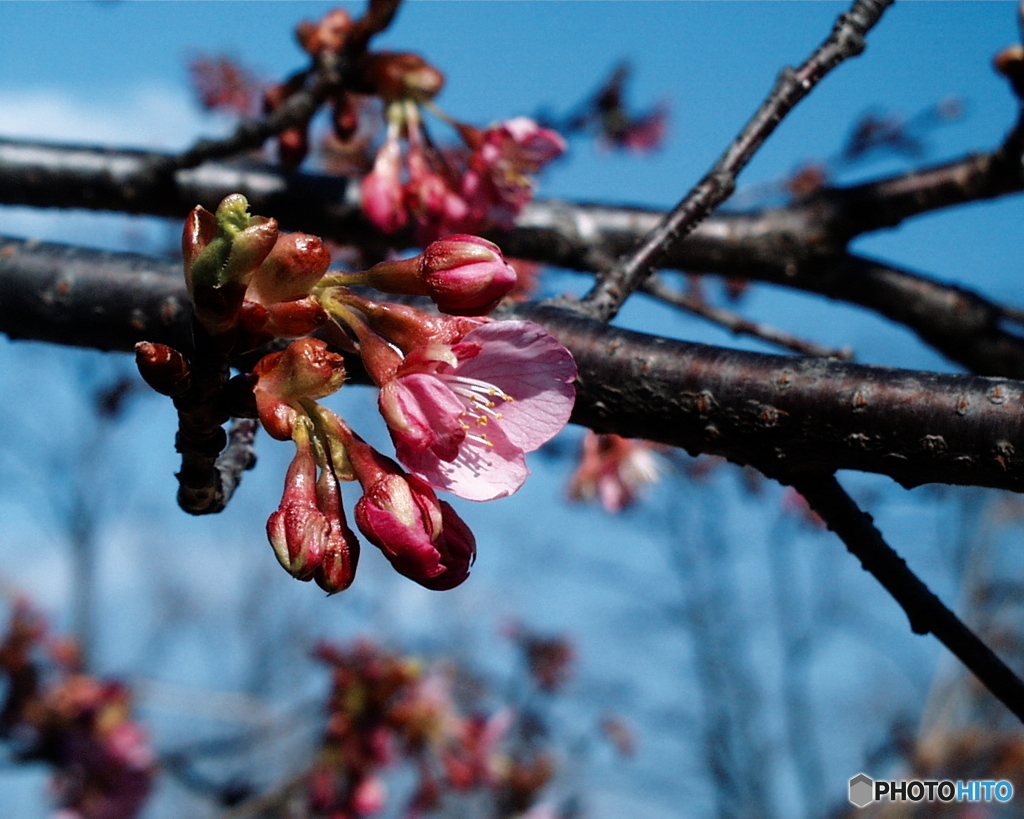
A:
[(293, 146), (423, 538), (381, 189), (306, 369), (463, 275), (163, 368), (298, 530), (337, 568), (466, 275), (369, 796), (292, 268), (327, 34), (221, 253), (293, 319), (401, 76), (239, 247)]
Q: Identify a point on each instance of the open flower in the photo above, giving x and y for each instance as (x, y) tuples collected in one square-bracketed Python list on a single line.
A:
[(500, 180), (463, 415)]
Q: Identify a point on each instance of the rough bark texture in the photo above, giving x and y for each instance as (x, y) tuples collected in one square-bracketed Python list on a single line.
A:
[(782, 414), (800, 246)]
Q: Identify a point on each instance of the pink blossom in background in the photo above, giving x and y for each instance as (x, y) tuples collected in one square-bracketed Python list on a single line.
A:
[(613, 469)]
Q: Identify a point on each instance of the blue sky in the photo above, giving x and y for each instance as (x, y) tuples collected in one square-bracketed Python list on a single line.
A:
[(113, 73)]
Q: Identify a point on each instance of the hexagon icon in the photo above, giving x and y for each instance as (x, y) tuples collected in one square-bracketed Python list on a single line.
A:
[(862, 790)]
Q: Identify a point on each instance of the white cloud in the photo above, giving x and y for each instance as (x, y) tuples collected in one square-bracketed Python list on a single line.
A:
[(155, 117)]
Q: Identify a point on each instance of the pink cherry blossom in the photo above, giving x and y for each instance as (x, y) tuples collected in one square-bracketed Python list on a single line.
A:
[(462, 416), (499, 181)]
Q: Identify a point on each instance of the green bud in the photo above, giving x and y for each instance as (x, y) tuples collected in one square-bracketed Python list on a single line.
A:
[(239, 248)]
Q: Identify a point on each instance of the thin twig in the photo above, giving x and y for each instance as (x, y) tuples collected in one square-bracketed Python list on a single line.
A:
[(737, 324), (329, 73), (927, 614), (846, 40), (238, 456)]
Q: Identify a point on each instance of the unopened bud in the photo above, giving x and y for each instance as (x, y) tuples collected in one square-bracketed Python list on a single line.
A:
[(293, 146), (163, 368), (466, 275), (337, 568), (399, 76), (327, 34), (298, 530), (422, 537), (306, 369), (239, 247), (463, 275), (381, 189), (292, 268)]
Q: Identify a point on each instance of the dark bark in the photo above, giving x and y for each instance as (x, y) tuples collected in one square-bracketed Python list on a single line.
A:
[(791, 246), (927, 614), (779, 413)]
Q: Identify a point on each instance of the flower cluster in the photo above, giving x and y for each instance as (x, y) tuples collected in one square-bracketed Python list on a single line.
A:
[(464, 397), (383, 709), (103, 767), (483, 183)]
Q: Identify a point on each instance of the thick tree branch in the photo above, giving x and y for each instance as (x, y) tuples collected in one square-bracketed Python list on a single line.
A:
[(785, 414), (926, 612), (789, 246), (614, 286)]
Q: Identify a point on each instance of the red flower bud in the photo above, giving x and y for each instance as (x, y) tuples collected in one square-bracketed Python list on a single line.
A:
[(306, 369), (423, 538), (329, 33), (400, 76), (463, 275), (294, 266), (466, 275), (298, 530), (337, 569), (293, 146), (382, 192), (163, 368)]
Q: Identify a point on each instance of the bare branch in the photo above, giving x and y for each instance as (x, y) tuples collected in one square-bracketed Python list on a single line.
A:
[(846, 40), (328, 74), (927, 614), (737, 324), (788, 246)]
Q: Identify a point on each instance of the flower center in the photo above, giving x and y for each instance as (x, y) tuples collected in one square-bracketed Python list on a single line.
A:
[(480, 399)]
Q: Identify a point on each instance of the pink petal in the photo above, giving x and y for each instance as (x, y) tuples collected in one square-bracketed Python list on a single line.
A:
[(478, 473), (528, 363), (430, 411)]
